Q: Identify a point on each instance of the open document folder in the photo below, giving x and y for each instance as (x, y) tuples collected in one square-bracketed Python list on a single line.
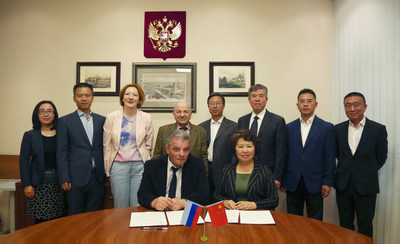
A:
[(144, 219), (247, 217)]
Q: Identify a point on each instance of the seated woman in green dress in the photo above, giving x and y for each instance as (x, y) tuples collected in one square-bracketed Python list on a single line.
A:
[(245, 183)]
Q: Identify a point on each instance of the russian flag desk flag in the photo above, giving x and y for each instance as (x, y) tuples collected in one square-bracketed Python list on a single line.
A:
[(191, 214)]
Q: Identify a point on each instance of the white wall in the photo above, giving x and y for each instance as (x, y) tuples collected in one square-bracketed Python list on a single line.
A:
[(41, 41)]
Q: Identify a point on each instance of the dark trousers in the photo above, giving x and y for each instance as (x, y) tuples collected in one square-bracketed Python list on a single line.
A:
[(351, 204), (82, 199), (314, 202)]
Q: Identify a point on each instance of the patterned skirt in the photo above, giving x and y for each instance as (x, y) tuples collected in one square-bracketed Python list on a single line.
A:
[(48, 202)]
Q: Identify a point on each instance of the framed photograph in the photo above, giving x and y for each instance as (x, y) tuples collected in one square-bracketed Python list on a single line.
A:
[(165, 84), (231, 78), (103, 76)]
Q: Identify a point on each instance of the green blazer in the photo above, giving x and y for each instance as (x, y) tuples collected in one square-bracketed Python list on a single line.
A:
[(197, 137)]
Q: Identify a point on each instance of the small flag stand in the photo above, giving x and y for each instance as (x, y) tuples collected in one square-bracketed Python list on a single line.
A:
[(204, 237)]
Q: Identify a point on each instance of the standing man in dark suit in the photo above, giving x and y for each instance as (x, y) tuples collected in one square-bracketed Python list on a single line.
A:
[(80, 161), (362, 150), (171, 179), (310, 170), (197, 135), (270, 128), (218, 129)]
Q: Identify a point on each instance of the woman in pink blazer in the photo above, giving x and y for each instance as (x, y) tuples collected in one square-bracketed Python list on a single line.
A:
[(127, 144)]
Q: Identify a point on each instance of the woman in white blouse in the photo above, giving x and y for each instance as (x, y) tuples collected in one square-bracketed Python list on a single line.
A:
[(127, 143)]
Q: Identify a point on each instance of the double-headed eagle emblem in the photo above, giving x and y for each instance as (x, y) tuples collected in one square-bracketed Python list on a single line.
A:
[(164, 34)]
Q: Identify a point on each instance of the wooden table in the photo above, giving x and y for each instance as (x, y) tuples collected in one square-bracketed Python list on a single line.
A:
[(112, 226)]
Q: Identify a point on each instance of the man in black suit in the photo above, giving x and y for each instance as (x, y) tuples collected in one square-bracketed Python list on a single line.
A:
[(80, 161), (219, 129), (172, 178), (362, 148), (270, 128)]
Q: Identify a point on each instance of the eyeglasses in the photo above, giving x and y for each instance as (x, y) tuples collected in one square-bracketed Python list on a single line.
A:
[(212, 103), (42, 112)]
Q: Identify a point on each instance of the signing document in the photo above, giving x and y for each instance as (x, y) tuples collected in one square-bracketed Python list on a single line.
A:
[(139, 219)]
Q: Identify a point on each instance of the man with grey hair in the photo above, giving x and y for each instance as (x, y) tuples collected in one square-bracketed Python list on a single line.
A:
[(197, 135), (172, 178), (270, 128)]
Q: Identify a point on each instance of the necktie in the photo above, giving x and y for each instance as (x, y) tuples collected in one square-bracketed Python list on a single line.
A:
[(254, 125), (172, 186)]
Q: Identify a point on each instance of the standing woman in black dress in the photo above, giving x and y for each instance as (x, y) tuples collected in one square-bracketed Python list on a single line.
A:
[(37, 164)]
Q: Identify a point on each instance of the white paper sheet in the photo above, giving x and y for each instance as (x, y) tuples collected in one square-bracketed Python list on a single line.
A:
[(256, 217), (175, 217), (139, 219), (231, 215)]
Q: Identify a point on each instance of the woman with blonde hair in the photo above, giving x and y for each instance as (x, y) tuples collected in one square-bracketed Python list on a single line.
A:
[(127, 145)]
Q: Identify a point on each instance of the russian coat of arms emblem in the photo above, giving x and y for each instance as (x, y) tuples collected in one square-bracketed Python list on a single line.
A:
[(164, 34)]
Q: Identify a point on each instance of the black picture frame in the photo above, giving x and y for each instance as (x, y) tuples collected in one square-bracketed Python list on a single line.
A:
[(231, 78), (165, 84), (103, 76)]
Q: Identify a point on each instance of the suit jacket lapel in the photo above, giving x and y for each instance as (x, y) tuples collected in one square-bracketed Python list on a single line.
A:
[(162, 174), (313, 130), (297, 134), (221, 129), (208, 131), (96, 126), (264, 123), (38, 147), (345, 139), (78, 124), (363, 138)]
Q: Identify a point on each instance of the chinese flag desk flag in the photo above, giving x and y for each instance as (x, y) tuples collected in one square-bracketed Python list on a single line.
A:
[(217, 214)]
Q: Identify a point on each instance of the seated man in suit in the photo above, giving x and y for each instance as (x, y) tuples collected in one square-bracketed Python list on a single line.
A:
[(172, 178), (219, 129), (310, 170), (197, 135)]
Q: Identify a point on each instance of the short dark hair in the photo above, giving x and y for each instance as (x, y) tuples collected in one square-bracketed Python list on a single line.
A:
[(216, 94), (307, 90), (80, 85), (258, 86), (247, 135), (352, 94), (140, 91), (35, 115)]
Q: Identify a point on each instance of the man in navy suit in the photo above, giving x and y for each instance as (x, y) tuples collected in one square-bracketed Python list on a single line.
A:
[(310, 170), (172, 178), (270, 128), (219, 129), (362, 150), (80, 161)]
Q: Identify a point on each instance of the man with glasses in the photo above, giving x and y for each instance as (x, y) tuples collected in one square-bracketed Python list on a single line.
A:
[(197, 135), (219, 129), (270, 128)]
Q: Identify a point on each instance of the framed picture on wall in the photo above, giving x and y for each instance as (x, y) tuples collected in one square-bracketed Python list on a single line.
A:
[(103, 76), (165, 84), (231, 78)]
